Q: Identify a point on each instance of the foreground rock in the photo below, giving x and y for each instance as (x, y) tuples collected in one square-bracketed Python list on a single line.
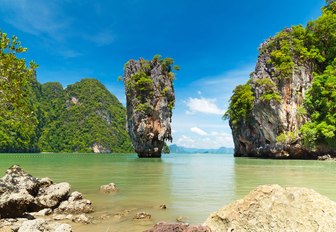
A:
[(24, 196), (178, 227), (273, 208), (42, 225), (150, 100)]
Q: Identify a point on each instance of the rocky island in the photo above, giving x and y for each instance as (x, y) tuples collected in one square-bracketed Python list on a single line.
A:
[(287, 108), (150, 99)]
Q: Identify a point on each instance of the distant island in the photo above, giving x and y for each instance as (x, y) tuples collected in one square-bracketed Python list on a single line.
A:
[(185, 150)]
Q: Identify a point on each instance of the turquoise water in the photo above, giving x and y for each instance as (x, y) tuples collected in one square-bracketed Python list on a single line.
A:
[(191, 185)]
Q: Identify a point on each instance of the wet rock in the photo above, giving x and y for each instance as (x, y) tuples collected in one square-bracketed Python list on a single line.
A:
[(75, 205), (181, 219), (109, 188), (150, 100), (178, 227), (142, 216), (82, 218), (51, 196), (273, 208), (163, 206)]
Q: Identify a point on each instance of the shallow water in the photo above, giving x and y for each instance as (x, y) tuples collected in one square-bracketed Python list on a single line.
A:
[(191, 185)]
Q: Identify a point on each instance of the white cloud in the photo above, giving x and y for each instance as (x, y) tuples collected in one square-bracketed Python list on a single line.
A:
[(198, 131), (185, 141), (38, 18), (203, 105)]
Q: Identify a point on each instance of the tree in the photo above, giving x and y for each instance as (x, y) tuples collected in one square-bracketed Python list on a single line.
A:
[(18, 115)]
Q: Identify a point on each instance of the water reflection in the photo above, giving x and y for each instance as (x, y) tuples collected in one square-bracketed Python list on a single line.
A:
[(317, 175)]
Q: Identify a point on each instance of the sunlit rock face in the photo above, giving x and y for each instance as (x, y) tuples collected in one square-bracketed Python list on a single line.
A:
[(278, 99), (149, 101)]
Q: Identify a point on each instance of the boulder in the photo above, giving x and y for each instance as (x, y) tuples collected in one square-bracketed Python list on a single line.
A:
[(109, 188), (16, 179), (75, 205), (21, 193), (274, 208), (177, 227), (51, 196), (15, 204)]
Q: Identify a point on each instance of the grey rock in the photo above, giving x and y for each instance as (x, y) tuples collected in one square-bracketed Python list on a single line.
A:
[(51, 196), (16, 179), (149, 111), (21, 193), (82, 218), (75, 205), (109, 188), (274, 208), (15, 204)]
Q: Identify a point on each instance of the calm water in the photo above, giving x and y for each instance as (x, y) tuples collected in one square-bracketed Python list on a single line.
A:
[(190, 185)]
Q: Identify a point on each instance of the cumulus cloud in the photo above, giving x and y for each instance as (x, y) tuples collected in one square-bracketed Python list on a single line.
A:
[(213, 140), (203, 105), (198, 131)]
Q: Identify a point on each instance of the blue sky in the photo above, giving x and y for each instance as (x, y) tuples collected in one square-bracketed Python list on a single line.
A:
[(215, 42)]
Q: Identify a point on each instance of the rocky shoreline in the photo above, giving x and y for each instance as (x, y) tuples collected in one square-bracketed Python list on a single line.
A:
[(29, 204)]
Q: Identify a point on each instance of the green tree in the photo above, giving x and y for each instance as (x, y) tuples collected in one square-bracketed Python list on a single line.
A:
[(19, 113), (321, 104), (241, 104)]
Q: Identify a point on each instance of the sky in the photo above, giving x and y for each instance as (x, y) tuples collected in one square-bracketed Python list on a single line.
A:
[(215, 43)]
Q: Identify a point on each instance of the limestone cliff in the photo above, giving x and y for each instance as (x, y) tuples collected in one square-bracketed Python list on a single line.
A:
[(150, 99), (275, 111), (268, 113)]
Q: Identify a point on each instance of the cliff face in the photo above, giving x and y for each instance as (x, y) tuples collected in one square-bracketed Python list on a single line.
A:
[(287, 108), (150, 100), (276, 110)]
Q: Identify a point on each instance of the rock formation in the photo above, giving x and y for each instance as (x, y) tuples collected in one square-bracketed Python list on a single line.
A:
[(273, 208), (150, 100), (24, 196), (277, 100), (286, 109)]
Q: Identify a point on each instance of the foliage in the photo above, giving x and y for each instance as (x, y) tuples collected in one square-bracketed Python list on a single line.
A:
[(19, 112), (166, 149), (321, 104), (241, 104), (141, 85), (287, 137), (83, 114), (269, 89)]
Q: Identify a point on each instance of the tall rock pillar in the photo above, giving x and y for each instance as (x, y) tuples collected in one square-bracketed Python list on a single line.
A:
[(150, 99)]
